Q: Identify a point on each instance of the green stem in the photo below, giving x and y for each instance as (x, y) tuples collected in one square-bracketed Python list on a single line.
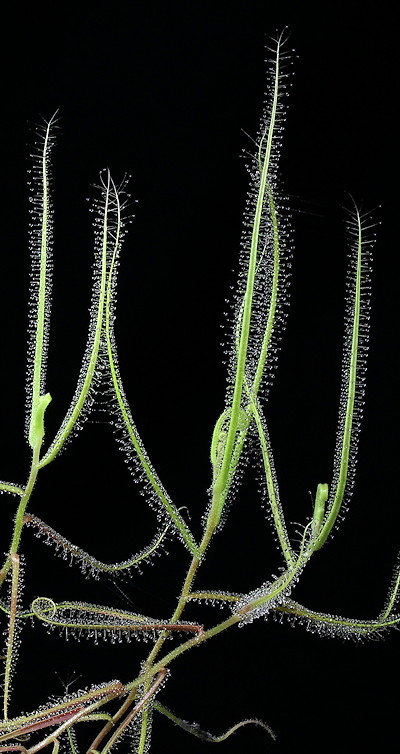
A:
[(19, 518), (171, 656), (11, 633)]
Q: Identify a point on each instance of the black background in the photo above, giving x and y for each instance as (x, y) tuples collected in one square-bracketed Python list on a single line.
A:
[(165, 92)]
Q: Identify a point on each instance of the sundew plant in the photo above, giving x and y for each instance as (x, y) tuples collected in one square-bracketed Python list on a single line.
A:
[(121, 711)]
